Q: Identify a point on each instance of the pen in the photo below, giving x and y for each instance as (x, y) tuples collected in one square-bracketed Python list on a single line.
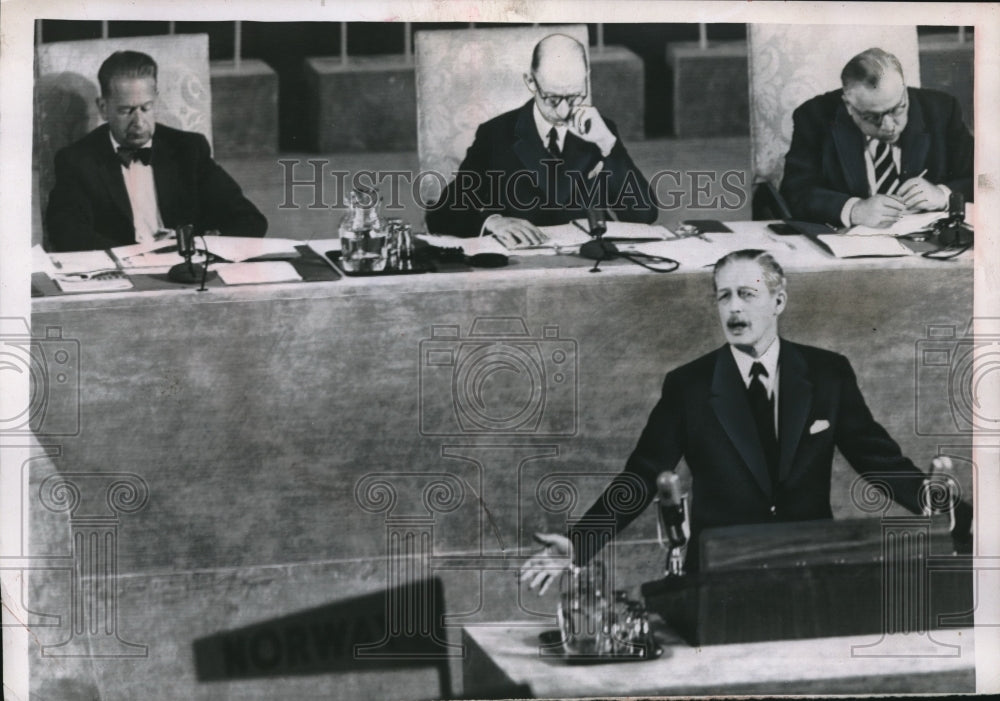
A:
[(892, 193)]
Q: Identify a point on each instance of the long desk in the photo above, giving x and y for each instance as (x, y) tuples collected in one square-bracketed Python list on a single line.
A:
[(258, 415), (501, 662)]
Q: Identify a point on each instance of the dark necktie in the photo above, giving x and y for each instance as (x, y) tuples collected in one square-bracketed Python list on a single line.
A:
[(127, 155), (763, 416), (886, 176), (554, 143)]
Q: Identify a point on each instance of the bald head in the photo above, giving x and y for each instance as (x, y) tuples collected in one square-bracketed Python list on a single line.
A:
[(556, 51), (558, 76)]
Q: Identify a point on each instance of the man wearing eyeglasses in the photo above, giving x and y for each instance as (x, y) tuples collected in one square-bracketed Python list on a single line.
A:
[(544, 163), (876, 149)]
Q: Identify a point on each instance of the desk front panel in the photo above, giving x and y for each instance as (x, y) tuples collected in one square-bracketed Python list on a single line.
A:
[(253, 413)]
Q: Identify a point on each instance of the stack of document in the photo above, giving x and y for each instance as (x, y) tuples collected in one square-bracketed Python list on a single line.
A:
[(82, 271), (157, 257), (150, 258), (237, 249), (563, 238), (904, 225), (863, 246)]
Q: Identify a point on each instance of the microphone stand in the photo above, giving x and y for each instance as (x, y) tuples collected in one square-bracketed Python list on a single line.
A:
[(672, 523), (675, 540), (597, 248), (186, 273), (204, 268)]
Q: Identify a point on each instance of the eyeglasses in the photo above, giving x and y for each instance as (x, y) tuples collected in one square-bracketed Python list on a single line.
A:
[(875, 118), (553, 100)]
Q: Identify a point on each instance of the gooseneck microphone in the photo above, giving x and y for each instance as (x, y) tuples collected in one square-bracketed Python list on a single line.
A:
[(188, 273), (597, 249)]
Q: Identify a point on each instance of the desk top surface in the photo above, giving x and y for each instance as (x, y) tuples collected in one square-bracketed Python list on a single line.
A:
[(795, 253), (940, 660)]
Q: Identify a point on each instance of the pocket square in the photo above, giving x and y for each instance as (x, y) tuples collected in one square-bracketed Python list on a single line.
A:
[(819, 425)]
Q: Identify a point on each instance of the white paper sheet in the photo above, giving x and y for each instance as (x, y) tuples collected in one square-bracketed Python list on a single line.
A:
[(240, 248), (256, 273), (905, 225), (630, 231), (690, 252), (480, 244), (79, 262), (864, 246)]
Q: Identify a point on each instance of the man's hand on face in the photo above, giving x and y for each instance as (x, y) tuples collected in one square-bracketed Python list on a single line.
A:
[(515, 233), (586, 123), (919, 195), (878, 211)]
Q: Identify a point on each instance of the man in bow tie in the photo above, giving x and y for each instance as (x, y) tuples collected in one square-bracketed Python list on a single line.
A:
[(876, 149), (756, 421), (545, 162), (131, 178)]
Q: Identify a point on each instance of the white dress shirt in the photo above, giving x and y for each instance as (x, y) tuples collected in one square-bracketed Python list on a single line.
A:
[(871, 146), (544, 127), (769, 359), (141, 190)]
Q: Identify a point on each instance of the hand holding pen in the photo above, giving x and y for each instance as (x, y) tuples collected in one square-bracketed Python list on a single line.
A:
[(920, 195)]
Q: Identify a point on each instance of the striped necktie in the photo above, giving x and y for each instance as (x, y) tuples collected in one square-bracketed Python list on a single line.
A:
[(886, 175)]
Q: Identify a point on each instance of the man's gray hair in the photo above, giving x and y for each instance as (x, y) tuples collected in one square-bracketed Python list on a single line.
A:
[(868, 67), (774, 276)]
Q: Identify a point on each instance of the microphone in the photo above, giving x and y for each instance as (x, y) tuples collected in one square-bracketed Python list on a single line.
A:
[(187, 273), (671, 507), (597, 249), (953, 233), (672, 516), (595, 222), (956, 207)]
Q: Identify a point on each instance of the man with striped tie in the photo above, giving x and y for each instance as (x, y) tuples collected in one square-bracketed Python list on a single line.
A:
[(876, 149)]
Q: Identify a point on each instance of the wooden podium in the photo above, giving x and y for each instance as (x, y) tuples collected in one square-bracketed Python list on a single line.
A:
[(818, 579)]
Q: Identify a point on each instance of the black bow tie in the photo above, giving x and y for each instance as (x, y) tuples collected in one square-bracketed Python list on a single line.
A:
[(126, 155)]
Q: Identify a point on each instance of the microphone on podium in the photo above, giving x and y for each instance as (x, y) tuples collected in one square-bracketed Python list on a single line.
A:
[(672, 526), (597, 249), (187, 272)]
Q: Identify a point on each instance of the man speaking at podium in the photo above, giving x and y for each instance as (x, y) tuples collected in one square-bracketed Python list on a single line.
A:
[(130, 178), (756, 421), (540, 164)]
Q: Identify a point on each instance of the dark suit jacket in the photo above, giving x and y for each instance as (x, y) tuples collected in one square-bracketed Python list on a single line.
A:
[(704, 416), (825, 164), (89, 206), (522, 185)]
